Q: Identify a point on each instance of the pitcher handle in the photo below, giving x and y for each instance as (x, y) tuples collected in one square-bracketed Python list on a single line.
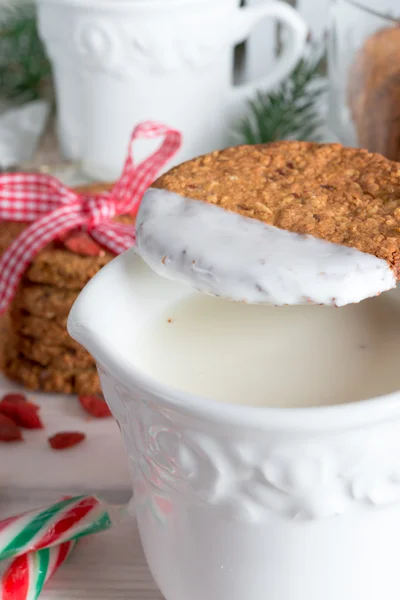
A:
[(246, 19)]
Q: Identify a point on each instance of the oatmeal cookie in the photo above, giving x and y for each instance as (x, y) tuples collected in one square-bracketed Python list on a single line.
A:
[(343, 195), (45, 301), (373, 91), (64, 269), (48, 379), (57, 357), (379, 129), (51, 331), (55, 265)]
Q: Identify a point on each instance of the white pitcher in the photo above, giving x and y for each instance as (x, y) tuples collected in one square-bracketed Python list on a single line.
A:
[(120, 62), (240, 502)]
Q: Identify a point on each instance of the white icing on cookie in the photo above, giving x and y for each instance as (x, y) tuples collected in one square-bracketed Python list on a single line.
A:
[(225, 254)]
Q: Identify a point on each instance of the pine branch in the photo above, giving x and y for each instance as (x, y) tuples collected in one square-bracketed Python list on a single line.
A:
[(24, 67), (290, 111)]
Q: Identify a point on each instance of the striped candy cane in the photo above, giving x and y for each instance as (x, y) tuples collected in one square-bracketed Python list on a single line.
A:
[(25, 577), (67, 520)]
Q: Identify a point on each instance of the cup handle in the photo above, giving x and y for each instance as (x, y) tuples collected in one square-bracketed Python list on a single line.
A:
[(247, 18)]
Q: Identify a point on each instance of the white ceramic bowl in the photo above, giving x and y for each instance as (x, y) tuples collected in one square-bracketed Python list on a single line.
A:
[(238, 502)]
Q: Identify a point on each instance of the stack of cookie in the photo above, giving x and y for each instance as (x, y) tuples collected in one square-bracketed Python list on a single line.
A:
[(37, 350), (374, 93)]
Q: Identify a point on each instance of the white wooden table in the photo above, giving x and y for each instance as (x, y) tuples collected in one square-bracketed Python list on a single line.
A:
[(108, 566)]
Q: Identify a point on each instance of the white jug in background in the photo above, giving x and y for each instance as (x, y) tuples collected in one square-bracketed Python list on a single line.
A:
[(119, 62)]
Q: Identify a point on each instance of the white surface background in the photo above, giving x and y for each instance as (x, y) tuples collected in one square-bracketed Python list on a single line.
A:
[(109, 566), (99, 463)]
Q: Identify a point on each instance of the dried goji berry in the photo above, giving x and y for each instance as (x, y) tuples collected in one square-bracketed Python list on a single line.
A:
[(66, 439), (24, 414), (9, 431), (81, 243), (14, 398), (95, 406), (17, 399)]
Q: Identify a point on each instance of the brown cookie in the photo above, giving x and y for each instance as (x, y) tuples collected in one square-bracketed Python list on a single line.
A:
[(48, 379), (49, 331), (55, 265), (63, 269), (56, 357), (5, 336), (87, 382), (45, 301), (379, 129), (342, 195), (10, 230), (373, 90)]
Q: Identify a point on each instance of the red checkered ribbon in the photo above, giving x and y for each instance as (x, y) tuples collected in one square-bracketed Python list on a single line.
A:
[(53, 209)]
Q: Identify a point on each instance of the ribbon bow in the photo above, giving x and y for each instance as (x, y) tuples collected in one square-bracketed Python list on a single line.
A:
[(53, 209)]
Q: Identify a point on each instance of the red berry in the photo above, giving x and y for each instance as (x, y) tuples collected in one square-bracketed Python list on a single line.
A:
[(95, 406), (14, 398), (9, 431), (81, 243), (24, 414), (66, 439)]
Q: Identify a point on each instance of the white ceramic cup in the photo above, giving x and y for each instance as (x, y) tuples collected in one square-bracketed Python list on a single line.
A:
[(120, 62), (238, 502)]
